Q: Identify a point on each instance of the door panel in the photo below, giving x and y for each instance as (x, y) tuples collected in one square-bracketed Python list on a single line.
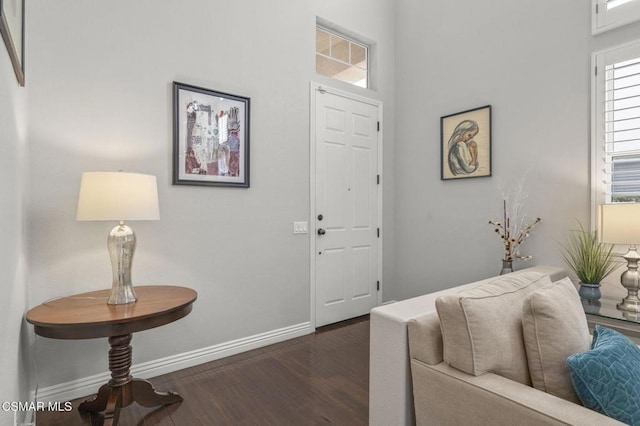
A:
[(362, 187), (346, 140), (361, 125), (333, 276), (335, 179), (335, 119), (361, 272)]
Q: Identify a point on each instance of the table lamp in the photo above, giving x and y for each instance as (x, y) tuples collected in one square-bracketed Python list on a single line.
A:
[(620, 224), (119, 196)]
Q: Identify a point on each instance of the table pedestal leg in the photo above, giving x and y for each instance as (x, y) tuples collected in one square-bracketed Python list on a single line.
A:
[(145, 395), (122, 389)]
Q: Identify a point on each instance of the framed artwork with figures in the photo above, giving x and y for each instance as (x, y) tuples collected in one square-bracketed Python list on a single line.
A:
[(210, 137), (12, 31), (465, 142)]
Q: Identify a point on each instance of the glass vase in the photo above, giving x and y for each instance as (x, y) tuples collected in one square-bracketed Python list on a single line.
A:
[(507, 267)]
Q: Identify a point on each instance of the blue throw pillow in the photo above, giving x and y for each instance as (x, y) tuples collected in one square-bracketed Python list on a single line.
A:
[(607, 377)]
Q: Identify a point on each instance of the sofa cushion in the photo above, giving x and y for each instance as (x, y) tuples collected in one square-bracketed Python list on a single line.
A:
[(607, 377), (554, 326), (425, 338), (482, 326)]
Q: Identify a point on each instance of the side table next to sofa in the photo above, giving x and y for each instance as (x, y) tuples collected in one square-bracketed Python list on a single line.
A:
[(605, 313)]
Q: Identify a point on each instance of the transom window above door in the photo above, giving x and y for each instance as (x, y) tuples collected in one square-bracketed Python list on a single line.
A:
[(342, 58)]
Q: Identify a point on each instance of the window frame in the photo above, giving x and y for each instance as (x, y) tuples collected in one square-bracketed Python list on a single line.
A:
[(599, 60), (603, 19), (348, 36)]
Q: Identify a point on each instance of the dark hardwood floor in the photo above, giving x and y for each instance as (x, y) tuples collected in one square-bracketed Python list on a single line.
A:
[(319, 379)]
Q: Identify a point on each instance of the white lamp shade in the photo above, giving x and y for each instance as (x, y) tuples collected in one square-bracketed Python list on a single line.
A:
[(118, 196), (619, 223)]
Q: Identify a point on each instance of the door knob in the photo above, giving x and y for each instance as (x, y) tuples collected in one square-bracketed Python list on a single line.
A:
[(321, 231)]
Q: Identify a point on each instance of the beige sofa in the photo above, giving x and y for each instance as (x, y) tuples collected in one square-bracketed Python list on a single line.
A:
[(410, 383)]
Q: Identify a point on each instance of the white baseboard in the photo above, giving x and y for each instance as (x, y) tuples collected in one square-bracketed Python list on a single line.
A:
[(29, 419), (89, 385)]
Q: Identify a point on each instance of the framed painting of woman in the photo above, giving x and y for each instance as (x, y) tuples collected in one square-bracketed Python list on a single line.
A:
[(465, 141)]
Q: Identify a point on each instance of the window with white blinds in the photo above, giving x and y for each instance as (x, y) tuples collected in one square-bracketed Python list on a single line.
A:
[(617, 120), (608, 14)]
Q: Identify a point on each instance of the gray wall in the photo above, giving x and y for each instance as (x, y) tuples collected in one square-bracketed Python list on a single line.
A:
[(99, 89), (14, 337), (531, 62), (100, 99)]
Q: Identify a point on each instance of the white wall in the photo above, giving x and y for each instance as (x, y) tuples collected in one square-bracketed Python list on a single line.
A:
[(99, 88), (100, 99), (531, 61), (14, 336)]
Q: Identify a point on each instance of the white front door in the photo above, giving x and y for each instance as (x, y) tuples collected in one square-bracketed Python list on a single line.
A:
[(347, 195)]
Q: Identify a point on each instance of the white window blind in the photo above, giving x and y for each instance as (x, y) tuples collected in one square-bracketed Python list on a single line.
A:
[(622, 130), (617, 120)]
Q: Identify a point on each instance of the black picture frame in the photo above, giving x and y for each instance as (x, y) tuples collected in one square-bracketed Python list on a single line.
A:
[(211, 132), (465, 144), (12, 31)]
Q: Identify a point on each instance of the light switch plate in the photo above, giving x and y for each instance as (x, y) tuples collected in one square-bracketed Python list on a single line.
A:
[(300, 227)]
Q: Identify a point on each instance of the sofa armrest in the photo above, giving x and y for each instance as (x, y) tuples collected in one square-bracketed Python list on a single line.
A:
[(390, 394), (446, 396)]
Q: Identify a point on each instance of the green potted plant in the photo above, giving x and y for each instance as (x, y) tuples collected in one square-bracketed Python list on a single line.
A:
[(590, 260)]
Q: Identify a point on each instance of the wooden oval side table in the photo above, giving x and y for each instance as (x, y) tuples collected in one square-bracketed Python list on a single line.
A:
[(87, 316)]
